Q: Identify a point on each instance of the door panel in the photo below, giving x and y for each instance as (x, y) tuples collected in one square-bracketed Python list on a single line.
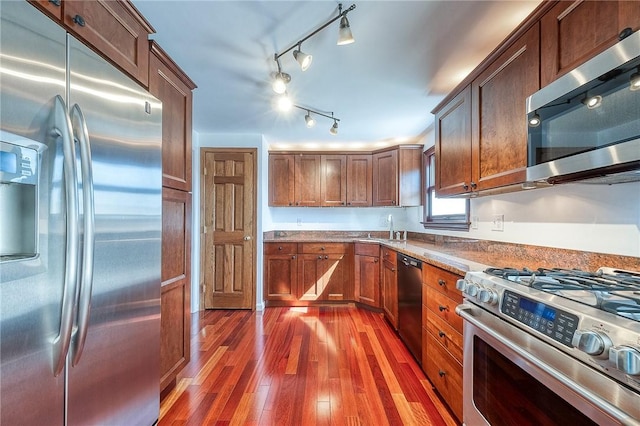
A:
[(33, 47), (229, 219)]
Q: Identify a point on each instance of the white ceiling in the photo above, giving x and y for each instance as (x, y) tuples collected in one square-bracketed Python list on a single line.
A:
[(407, 56)]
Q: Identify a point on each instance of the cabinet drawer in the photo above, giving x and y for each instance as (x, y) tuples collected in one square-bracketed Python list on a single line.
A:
[(444, 333), (388, 255), (445, 373), (442, 306), (368, 249), (314, 248), (442, 281), (280, 248)]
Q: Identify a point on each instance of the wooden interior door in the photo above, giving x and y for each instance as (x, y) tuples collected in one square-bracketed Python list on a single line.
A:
[(229, 227)]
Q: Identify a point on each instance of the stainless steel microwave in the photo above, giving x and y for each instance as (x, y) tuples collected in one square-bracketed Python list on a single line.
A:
[(586, 125)]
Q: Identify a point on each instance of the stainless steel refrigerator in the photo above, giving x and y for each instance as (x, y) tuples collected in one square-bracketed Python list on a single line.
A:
[(80, 232)]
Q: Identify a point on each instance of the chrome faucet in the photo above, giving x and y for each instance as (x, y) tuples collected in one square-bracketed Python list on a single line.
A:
[(390, 220)]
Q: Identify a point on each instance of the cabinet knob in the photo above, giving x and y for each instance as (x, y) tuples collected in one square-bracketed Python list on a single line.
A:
[(442, 282), (348, 204), (393, 269), (375, 260), (293, 257), (442, 308), (279, 247), (393, 202), (321, 248), (465, 187), (474, 185), (55, 2), (79, 20), (441, 373), (290, 204), (441, 333), (625, 33), (326, 257), (319, 257)]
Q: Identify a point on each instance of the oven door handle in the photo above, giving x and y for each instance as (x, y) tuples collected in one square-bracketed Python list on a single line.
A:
[(466, 312)]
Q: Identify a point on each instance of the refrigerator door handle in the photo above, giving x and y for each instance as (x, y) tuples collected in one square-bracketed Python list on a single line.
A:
[(62, 129), (81, 135)]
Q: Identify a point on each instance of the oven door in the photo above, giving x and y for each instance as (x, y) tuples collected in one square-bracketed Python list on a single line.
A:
[(513, 378)]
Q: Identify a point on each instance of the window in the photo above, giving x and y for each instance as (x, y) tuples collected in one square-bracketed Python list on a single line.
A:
[(441, 213)]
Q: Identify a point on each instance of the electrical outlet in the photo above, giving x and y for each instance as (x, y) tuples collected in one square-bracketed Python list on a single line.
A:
[(299, 221), (474, 222), (498, 222)]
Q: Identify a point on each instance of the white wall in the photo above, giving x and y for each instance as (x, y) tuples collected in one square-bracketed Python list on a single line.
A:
[(595, 218)]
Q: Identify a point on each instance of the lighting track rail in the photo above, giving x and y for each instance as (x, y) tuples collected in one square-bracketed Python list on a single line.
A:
[(310, 121)]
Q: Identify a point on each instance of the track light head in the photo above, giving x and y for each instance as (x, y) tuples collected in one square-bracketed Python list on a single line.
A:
[(344, 33), (634, 81), (280, 82), (303, 59), (284, 102), (334, 129), (309, 120)]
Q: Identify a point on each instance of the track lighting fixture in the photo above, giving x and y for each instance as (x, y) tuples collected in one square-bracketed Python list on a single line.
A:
[(280, 80), (634, 80), (303, 59), (592, 102), (311, 122), (534, 120), (344, 37), (334, 129), (284, 102)]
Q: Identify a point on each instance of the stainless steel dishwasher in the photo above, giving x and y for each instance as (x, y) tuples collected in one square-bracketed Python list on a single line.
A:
[(410, 304)]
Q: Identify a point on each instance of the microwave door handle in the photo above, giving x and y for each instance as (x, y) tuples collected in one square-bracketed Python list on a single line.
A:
[(62, 129), (81, 135), (466, 312)]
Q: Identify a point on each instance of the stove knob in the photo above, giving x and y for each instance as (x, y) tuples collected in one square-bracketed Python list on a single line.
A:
[(461, 285), (487, 295), (592, 343), (626, 358), (472, 289)]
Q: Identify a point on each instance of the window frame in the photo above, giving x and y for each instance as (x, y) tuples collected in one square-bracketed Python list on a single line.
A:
[(458, 222)]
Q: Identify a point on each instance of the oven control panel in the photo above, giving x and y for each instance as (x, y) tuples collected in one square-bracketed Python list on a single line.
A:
[(552, 322)]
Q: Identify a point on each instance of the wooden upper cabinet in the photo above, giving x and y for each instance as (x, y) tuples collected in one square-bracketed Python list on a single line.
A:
[(359, 180), (281, 180), (333, 184), (574, 31), (171, 85), (499, 127), (115, 29), (453, 145), (308, 180), (53, 8), (397, 176)]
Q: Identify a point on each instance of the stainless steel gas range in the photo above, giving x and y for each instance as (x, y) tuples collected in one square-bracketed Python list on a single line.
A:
[(551, 346)]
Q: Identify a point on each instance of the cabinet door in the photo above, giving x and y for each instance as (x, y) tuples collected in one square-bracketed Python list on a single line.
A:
[(359, 180), (367, 280), (307, 180), (453, 145), (333, 186), (335, 278), (499, 154), (390, 293), (169, 84), (280, 272), (116, 30), (574, 31), (175, 302), (53, 8), (309, 277), (385, 178), (281, 180)]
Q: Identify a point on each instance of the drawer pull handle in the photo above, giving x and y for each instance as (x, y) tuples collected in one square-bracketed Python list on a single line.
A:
[(279, 247), (441, 373), (441, 333), (321, 248), (79, 20), (442, 308), (442, 282)]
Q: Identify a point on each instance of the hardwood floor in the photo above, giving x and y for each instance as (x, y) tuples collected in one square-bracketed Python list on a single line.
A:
[(336, 365)]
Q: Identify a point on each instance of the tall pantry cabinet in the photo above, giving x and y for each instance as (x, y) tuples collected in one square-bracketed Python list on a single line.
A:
[(172, 86)]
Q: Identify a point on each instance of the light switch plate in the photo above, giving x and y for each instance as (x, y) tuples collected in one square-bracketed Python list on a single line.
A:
[(474, 222), (498, 222)]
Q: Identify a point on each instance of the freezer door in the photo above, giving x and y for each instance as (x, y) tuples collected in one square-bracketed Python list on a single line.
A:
[(116, 379), (32, 74)]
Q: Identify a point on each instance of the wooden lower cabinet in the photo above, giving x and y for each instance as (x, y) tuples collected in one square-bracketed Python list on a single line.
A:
[(389, 286), (367, 274), (442, 342), (313, 272), (175, 298)]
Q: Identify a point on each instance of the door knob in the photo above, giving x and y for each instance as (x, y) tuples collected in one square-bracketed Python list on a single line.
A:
[(247, 237)]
